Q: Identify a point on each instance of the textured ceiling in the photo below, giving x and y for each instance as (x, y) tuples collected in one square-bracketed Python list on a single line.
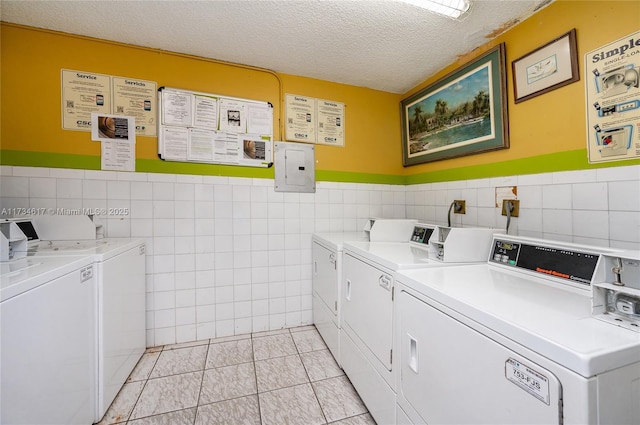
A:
[(385, 45)]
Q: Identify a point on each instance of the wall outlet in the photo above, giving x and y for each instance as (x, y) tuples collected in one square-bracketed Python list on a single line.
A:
[(515, 207), (459, 207)]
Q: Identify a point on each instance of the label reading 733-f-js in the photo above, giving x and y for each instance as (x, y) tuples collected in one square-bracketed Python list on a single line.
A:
[(528, 379)]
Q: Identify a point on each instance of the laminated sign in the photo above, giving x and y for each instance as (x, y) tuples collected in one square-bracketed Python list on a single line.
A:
[(612, 79)]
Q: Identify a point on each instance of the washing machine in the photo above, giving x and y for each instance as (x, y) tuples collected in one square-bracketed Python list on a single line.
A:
[(514, 340), (367, 339), (326, 253), (120, 268), (47, 340)]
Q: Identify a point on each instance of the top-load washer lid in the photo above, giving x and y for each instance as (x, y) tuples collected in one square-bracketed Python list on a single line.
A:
[(335, 240), (528, 298), (100, 249), (392, 255), (53, 247), (555, 322), (22, 275)]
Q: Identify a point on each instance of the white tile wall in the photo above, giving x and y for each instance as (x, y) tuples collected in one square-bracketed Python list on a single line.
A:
[(598, 207), (225, 255), (229, 255)]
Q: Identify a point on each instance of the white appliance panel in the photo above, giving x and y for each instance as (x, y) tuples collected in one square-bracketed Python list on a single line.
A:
[(451, 374), (368, 290), (372, 388), (622, 389), (120, 306), (553, 320), (103, 248), (531, 302), (325, 276), (324, 320), (121, 322), (327, 281), (47, 350), (401, 417), (26, 273), (63, 247), (393, 255)]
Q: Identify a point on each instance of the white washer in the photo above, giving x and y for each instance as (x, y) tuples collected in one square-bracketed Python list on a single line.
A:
[(327, 275), (120, 297), (47, 348), (513, 341), (367, 338)]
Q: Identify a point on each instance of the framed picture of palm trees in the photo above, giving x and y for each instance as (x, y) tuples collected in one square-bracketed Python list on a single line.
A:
[(463, 113)]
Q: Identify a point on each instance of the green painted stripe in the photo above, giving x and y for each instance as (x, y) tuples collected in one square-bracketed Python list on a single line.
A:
[(349, 177), (172, 167), (561, 161), (88, 162), (47, 159)]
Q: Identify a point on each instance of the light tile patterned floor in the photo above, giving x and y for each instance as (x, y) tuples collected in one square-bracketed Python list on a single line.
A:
[(269, 378)]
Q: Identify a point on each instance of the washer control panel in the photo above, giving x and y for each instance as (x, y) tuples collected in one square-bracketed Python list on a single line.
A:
[(422, 233), (555, 261)]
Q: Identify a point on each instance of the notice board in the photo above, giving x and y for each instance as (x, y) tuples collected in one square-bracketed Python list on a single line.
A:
[(210, 128)]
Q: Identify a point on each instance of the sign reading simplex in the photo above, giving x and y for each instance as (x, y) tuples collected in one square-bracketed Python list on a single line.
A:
[(612, 80)]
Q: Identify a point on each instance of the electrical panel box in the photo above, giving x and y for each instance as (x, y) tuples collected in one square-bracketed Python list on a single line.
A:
[(294, 167)]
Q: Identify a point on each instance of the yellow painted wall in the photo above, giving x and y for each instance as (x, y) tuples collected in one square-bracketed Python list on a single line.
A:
[(31, 64), (556, 121), (547, 133), (372, 127), (32, 60)]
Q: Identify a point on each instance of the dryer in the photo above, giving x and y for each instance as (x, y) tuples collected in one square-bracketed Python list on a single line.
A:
[(120, 298), (47, 340), (367, 339), (327, 271), (326, 255), (513, 341)]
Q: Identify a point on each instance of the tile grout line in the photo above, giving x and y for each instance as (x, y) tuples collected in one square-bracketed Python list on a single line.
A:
[(204, 368), (255, 377), (146, 380), (326, 421)]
